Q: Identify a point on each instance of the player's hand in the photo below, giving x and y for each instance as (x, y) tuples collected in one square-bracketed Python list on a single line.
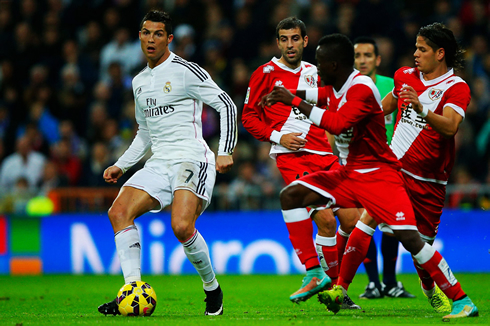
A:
[(292, 141), (409, 96), (263, 101), (224, 163), (280, 94), (112, 173)]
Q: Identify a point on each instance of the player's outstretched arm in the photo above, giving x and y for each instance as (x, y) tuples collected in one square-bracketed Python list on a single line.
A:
[(224, 163), (112, 173)]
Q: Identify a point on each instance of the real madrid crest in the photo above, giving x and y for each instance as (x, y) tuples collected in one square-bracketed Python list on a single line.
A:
[(167, 88)]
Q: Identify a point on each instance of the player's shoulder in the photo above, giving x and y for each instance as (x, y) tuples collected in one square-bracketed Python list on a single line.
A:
[(140, 76), (179, 63), (457, 85), (308, 66), (406, 72), (361, 79), (362, 86), (267, 68)]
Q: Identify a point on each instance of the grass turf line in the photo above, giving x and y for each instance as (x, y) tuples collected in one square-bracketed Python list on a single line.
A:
[(249, 300)]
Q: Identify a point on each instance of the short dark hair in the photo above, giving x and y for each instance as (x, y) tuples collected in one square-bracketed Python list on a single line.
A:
[(159, 17), (341, 48), (290, 23), (437, 36), (367, 40)]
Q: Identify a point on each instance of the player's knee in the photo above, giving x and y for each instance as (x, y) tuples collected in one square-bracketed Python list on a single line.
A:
[(410, 240), (183, 230), (118, 215)]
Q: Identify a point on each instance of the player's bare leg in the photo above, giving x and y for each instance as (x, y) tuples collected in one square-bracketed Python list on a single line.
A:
[(186, 208), (128, 205)]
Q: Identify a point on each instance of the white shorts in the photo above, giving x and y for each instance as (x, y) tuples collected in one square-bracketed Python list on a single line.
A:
[(160, 179)]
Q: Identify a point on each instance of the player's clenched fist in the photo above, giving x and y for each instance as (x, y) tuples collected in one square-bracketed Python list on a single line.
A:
[(112, 173)]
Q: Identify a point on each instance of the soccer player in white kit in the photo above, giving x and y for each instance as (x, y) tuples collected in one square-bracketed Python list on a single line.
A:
[(169, 94)]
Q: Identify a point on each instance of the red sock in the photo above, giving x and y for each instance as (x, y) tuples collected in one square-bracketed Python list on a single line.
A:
[(426, 280), (300, 229), (328, 249), (342, 238), (436, 266), (354, 254)]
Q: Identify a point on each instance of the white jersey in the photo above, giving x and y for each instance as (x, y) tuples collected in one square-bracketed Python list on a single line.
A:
[(168, 103)]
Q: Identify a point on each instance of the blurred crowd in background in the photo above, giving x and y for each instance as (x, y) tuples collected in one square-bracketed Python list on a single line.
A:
[(66, 100)]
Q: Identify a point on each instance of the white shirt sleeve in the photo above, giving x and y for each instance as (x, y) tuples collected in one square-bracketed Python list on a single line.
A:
[(203, 88), (311, 95), (140, 145)]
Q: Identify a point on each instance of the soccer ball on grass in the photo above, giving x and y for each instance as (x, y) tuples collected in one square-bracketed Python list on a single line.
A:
[(136, 299)]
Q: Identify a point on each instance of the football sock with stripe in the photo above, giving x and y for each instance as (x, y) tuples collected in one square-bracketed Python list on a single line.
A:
[(354, 253), (436, 265), (300, 227), (129, 251), (197, 252), (326, 247)]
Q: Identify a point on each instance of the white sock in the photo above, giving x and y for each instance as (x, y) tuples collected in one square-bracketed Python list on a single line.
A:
[(129, 251), (197, 252)]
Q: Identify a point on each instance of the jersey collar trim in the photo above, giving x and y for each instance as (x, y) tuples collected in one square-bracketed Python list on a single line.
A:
[(284, 67), (165, 63), (346, 85), (437, 80)]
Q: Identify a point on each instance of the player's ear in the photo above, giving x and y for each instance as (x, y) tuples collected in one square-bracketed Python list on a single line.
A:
[(378, 61), (440, 54), (139, 35), (305, 41), (170, 38)]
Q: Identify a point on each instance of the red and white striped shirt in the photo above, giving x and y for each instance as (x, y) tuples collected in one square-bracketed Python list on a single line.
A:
[(270, 123), (425, 154)]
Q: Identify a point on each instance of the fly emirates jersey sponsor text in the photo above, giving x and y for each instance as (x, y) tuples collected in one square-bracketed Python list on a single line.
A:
[(425, 154), (269, 123)]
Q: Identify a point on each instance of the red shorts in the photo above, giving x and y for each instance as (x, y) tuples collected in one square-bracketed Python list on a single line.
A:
[(427, 202), (382, 192), (295, 165)]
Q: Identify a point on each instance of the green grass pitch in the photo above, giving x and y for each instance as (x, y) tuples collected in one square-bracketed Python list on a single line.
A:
[(249, 300)]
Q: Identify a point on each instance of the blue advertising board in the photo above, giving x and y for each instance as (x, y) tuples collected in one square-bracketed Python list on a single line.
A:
[(239, 243)]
